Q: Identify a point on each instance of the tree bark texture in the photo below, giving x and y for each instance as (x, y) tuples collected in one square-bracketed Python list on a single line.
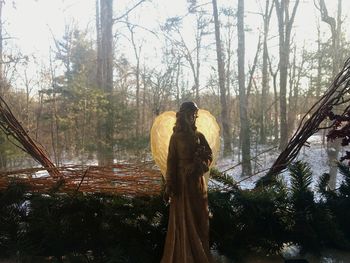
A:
[(226, 127), (265, 77), (285, 22), (137, 51), (333, 147), (275, 104), (2, 81), (3, 159), (243, 102), (104, 24)]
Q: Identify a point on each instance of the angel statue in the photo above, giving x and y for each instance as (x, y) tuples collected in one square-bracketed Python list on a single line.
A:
[(184, 157)]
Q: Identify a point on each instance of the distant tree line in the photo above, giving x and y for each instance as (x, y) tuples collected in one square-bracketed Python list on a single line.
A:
[(95, 101)]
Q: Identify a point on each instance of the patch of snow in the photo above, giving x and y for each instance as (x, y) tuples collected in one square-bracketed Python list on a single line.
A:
[(315, 154), (290, 250), (40, 174)]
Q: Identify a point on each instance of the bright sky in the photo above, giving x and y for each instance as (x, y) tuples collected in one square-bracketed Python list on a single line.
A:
[(32, 22)]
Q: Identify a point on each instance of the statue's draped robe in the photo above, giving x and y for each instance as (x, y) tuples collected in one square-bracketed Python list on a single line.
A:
[(187, 239)]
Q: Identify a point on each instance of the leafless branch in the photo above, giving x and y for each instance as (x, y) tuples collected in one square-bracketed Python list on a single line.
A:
[(251, 159), (318, 113), (128, 11), (252, 70), (139, 26), (13, 127)]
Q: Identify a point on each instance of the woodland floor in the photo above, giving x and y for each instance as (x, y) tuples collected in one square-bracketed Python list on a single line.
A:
[(315, 155)]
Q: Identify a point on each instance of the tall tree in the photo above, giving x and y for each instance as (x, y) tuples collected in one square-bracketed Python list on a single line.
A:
[(243, 102), (265, 83), (137, 52), (77, 91), (285, 23), (226, 127), (184, 48), (228, 43), (1, 51), (104, 26), (275, 103), (335, 26), (319, 64), (295, 75), (3, 159)]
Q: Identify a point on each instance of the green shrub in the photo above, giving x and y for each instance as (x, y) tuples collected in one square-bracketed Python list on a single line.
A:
[(107, 228), (249, 220)]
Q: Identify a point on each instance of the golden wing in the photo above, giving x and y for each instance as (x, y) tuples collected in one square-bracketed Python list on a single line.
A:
[(162, 130), (206, 124)]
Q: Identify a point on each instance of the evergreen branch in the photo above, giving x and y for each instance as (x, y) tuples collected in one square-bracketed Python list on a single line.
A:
[(301, 176), (323, 183), (223, 178)]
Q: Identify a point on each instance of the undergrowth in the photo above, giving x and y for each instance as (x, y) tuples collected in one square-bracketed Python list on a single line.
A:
[(105, 228)]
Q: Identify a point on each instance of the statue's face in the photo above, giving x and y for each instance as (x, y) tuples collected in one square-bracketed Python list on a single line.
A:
[(192, 117)]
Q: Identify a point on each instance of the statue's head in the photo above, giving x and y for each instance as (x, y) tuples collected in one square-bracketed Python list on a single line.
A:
[(188, 106), (186, 117)]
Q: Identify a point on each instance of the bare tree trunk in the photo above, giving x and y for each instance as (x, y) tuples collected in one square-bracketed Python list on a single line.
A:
[(283, 66), (228, 73), (285, 23), (99, 81), (252, 69), (196, 79), (38, 117), (177, 83), (319, 65), (138, 97), (2, 82), (104, 24), (221, 71), (291, 106), (274, 78), (200, 30), (318, 84), (137, 51), (3, 157), (143, 118), (243, 102), (52, 129), (333, 147), (265, 77), (294, 91), (27, 86), (83, 129)]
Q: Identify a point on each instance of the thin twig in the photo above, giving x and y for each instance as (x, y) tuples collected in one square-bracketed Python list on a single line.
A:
[(253, 158), (310, 125)]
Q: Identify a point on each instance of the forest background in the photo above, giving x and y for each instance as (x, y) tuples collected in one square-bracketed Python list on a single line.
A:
[(98, 78), (87, 78)]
